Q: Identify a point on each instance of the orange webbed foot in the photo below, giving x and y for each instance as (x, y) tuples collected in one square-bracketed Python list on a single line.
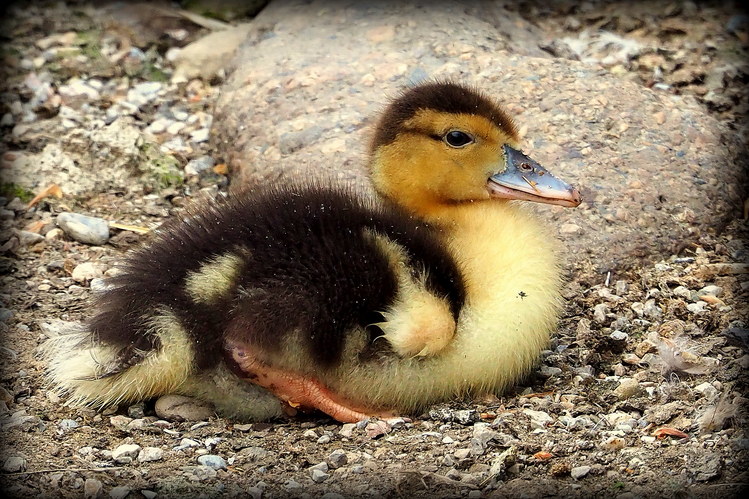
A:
[(296, 390)]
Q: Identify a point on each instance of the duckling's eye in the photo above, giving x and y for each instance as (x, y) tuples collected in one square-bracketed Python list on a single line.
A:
[(456, 138)]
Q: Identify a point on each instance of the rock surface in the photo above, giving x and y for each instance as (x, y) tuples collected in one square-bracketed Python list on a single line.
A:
[(652, 167)]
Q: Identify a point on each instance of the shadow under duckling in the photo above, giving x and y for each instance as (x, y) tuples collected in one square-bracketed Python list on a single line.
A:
[(330, 299)]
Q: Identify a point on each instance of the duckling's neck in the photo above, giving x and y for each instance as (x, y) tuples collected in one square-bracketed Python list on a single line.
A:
[(457, 215), (450, 215)]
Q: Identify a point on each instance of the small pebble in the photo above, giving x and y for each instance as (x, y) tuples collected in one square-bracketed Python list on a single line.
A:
[(579, 472), (614, 443), (187, 443), (119, 492), (175, 128), (619, 336), (319, 476), (465, 416), (54, 234), (628, 387), (68, 424), (631, 359), (697, 308), (322, 466), (200, 135), (14, 464), (549, 372), (120, 421), (310, 434), (125, 453), (711, 290), (337, 458), (651, 310), (377, 429), (84, 229), (159, 125), (148, 454), (197, 165), (539, 419), (599, 313), (87, 271), (347, 430), (92, 488), (213, 461), (293, 485), (27, 238)]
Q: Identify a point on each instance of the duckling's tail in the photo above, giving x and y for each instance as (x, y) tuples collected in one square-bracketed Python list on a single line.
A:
[(90, 372)]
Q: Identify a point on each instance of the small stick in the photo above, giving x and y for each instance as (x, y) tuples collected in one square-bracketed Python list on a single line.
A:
[(62, 469)]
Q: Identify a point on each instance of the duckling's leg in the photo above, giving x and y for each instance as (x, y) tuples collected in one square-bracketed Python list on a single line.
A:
[(294, 389)]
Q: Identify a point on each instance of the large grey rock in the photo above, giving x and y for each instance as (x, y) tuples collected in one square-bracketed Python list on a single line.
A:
[(656, 172)]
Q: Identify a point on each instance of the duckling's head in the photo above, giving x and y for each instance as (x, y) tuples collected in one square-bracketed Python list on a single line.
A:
[(442, 143)]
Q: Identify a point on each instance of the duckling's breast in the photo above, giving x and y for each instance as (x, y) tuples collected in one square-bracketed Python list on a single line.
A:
[(512, 281)]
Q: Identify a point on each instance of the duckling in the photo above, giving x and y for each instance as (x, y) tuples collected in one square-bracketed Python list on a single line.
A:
[(440, 287)]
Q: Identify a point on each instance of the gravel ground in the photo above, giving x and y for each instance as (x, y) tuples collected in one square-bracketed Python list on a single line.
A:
[(642, 392)]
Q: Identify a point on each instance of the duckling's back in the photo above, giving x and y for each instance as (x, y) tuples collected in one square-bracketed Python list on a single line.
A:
[(296, 272)]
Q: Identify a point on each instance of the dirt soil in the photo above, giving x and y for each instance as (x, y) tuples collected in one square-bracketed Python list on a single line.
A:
[(642, 392)]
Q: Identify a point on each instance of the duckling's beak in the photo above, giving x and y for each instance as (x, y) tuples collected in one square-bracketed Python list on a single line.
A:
[(525, 179)]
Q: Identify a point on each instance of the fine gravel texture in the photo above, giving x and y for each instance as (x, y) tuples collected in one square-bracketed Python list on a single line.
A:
[(642, 391)]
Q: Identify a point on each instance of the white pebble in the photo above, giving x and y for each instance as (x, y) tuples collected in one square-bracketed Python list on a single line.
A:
[(599, 312), (711, 290), (148, 454), (347, 430), (539, 419), (579, 472), (125, 453), (87, 271), (200, 135), (697, 308), (212, 461), (619, 336), (84, 229)]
